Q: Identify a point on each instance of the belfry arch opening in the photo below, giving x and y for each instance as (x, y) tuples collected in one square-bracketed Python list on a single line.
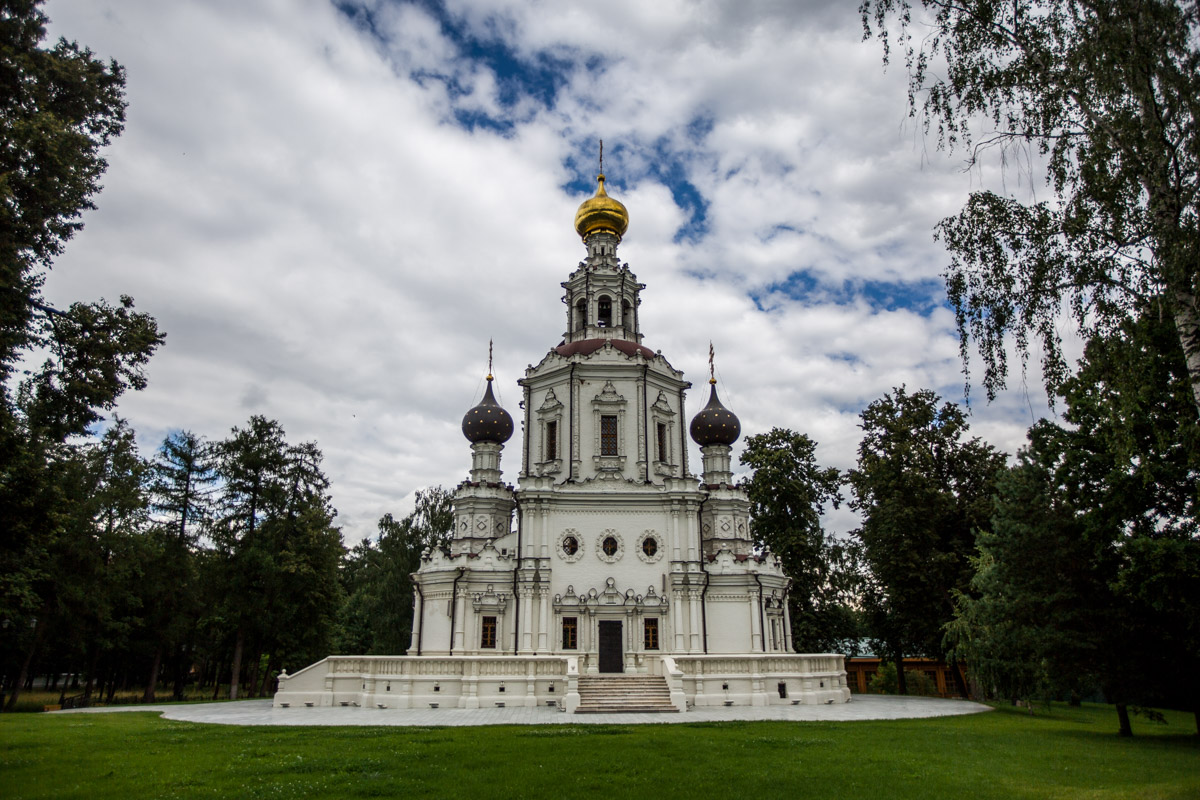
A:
[(580, 314), (604, 313), (626, 315)]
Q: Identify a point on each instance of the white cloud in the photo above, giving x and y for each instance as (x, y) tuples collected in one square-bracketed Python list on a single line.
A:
[(295, 202)]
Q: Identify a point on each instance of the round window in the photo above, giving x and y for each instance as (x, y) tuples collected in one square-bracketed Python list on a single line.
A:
[(570, 545), (609, 546), (649, 546)]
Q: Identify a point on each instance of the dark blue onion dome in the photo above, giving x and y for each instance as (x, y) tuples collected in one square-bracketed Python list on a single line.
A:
[(715, 424), (487, 422)]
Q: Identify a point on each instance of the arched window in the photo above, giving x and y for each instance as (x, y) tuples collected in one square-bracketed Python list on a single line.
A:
[(581, 314), (604, 318), (626, 315)]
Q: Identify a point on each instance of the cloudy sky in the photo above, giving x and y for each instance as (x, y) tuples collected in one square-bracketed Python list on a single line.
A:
[(330, 207)]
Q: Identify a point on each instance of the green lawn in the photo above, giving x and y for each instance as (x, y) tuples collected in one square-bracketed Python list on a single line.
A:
[(1068, 753)]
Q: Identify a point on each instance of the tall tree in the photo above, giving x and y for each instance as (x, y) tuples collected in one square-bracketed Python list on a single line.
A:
[(181, 496), (923, 489), (251, 464), (788, 492), (1030, 625), (281, 550), (1108, 93), (1090, 571), (181, 484), (1129, 461), (59, 107), (378, 613)]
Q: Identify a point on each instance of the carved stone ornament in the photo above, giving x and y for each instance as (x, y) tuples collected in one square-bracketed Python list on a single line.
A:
[(490, 600), (650, 547), (610, 546), (608, 395), (564, 549), (662, 406), (550, 404)]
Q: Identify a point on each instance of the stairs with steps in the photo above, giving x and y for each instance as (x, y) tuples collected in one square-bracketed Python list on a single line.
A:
[(608, 694)]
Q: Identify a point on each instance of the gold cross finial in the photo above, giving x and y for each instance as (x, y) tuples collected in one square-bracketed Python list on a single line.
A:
[(601, 156), (489, 359), (712, 375)]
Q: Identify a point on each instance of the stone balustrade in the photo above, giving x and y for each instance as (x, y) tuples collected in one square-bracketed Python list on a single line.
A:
[(485, 681)]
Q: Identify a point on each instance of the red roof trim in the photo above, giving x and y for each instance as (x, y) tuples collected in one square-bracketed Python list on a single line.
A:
[(586, 347)]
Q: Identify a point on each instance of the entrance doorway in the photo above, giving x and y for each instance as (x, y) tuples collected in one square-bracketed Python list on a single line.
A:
[(612, 655)]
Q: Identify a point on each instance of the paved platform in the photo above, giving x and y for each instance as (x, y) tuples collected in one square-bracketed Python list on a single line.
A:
[(260, 712)]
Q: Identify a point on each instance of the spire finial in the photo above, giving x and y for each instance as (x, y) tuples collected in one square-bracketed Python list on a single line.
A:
[(489, 359), (712, 372), (601, 156)]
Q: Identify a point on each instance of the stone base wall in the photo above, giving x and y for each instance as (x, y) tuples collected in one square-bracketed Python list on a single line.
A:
[(764, 679), (489, 681)]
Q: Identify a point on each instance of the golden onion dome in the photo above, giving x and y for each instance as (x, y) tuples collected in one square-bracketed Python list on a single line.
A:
[(601, 213)]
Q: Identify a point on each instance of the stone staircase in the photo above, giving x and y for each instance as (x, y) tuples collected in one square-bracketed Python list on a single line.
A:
[(609, 694)]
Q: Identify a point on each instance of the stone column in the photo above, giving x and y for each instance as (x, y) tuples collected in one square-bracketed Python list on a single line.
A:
[(694, 643)]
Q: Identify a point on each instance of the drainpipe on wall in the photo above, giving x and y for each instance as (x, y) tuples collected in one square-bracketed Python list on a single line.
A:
[(420, 614), (704, 592), (570, 426), (683, 448), (762, 631), (525, 429), (645, 423), (516, 596), (454, 605)]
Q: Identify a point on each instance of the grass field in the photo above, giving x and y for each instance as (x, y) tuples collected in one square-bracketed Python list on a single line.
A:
[(1063, 753)]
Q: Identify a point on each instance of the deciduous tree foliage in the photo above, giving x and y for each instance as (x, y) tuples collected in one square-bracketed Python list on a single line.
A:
[(923, 489), (787, 492), (59, 107), (1090, 572), (1107, 92)]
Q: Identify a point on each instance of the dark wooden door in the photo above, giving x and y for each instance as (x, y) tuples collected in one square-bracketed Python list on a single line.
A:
[(612, 655)]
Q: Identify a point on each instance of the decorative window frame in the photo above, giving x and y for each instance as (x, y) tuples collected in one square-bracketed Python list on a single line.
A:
[(658, 552), (608, 403), (551, 410), (491, 603), (562, 538), (615, 557), (661, 413)]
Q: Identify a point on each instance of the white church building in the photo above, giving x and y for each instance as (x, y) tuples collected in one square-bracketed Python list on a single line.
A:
[(610, 577)]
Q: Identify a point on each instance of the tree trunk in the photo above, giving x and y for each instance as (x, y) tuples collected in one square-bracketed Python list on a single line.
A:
[(91, 676), (960, 682), (268, 673), (253, 665), (1187, 325), (1123, 719), (152, 683), (179, 672), (38, 630), (901, 681), (235, 669)]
